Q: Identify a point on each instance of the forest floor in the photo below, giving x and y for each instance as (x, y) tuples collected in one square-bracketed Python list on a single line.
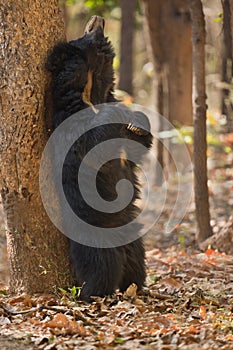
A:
[(187, 302)]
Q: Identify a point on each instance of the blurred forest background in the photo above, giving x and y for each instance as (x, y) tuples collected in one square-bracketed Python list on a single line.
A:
[(77, 12)]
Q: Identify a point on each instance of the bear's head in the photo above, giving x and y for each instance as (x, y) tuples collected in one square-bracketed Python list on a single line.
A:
[(85, 64)]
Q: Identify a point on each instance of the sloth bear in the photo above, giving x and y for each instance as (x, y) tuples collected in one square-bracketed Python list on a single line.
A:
[(83, 76)]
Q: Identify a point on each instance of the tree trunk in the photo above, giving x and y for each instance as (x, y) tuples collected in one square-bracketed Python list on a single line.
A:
[(223, 240), (227, 69), (231, 21), (38, 253), (199, 112), (168, 31), (126, 49)]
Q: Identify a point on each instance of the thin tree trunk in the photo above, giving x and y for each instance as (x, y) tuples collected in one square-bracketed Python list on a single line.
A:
[(199, 112), (227, 69), (168, 31), (223, 240), (38, 253), (155, 53), (126, 50), (231, 21)]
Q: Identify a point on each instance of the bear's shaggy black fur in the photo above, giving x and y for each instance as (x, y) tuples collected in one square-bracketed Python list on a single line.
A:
[(82, 74)]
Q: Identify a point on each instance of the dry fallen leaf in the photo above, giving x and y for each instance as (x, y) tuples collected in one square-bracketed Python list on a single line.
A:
[(203, 312), (171, 282), (131, 291), (4, 320), (58, 321)]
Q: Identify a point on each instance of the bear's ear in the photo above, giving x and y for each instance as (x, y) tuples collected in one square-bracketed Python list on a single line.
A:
[(57, 57)]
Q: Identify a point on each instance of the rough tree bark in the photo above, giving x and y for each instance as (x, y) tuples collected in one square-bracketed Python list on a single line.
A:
[(223, 240), (227, 69), (231, 11), (126, 48), (204, 229), (38, 253)]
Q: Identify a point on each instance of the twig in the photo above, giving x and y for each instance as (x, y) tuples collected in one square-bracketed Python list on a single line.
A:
[(51, 308)]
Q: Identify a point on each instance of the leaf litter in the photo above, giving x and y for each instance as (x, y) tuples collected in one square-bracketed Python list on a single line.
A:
[(188, 305)]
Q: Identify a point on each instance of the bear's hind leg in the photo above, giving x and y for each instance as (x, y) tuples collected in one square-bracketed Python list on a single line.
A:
[(97, 269), (134, 268)]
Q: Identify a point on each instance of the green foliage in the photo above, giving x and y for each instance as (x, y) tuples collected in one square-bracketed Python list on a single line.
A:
[(154, 278), (227, 150), (72, 293), (186, 135), (180, 135), (181, 239), (213, 138), (219, 19), (3, 292), (51, 339), (66, 2), (101, 7), (119, 340), (70, 2)]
